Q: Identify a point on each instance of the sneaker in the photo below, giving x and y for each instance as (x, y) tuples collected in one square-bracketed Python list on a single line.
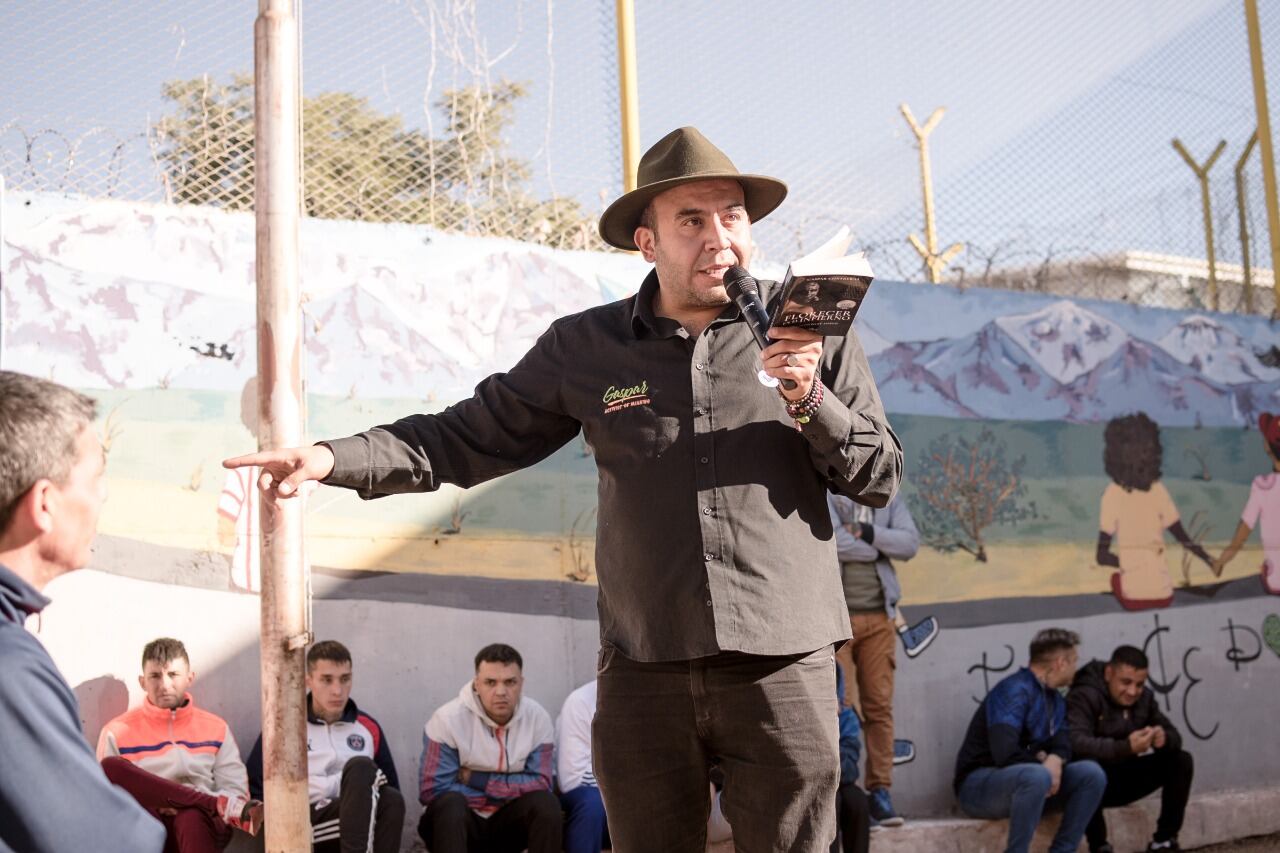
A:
[(918, 637), (1171, 844), (903, 751), (882, 808), (239, 813)]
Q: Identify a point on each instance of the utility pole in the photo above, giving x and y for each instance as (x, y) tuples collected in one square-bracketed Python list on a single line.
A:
[(1202, 174), (1264, 143), (285, 624), (626, 20), (934, 263)]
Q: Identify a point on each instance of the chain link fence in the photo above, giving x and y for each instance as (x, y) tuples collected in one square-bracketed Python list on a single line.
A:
[(1053, 167)]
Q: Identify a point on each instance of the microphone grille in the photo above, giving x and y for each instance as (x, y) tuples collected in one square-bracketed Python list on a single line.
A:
[(738, 279)]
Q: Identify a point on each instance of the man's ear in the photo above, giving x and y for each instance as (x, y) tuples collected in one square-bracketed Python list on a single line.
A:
[(644, 240), (142, 682), (37, 507), (191, 677)]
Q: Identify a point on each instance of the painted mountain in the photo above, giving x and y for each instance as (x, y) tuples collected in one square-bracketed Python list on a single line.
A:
[(117, 295), (1064, 362)]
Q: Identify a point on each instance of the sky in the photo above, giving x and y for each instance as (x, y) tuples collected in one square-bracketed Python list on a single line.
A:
[(1058, 117)]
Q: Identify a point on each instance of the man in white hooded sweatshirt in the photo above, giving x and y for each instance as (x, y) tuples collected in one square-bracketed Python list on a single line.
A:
[(487, 766)]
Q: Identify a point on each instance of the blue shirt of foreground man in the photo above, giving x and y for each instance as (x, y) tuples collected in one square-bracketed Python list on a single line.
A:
[(1016, 756), (53, 794), (718, 608)]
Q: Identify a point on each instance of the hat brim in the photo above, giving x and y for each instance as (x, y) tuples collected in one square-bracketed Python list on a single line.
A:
[(761, 195)]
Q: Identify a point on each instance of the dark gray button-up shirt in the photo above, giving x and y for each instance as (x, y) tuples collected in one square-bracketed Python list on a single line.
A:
[(712, 532)]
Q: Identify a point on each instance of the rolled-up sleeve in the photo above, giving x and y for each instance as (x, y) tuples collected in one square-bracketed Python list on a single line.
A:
[(850, 439)]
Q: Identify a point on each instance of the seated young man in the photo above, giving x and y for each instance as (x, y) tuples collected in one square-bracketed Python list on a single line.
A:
[(1114, 719), (180, 762), (487, 762), (1016, 756), (586, 829), (356, 803)]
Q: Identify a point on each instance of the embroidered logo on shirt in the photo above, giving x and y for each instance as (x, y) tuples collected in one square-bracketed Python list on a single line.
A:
[(356, 742), (616, 399)]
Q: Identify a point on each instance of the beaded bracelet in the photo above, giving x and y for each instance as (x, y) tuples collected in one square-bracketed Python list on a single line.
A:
[(807, 406)]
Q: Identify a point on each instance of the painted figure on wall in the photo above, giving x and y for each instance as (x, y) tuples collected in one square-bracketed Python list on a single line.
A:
[(1137, 509), (1262, 510), (238, 506)]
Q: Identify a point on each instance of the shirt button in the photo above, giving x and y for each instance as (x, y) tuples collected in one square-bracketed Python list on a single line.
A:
[(704, 460), (706, 510), (708, 602), (699, 365), (708, 557)]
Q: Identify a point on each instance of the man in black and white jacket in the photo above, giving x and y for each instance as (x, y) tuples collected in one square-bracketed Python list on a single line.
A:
[(351, 776)]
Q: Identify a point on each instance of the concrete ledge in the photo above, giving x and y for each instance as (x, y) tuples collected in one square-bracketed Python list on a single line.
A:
[(1211, 819)]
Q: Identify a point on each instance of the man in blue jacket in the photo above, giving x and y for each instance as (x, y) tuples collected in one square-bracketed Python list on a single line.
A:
[(53, 794), (1016, 757)]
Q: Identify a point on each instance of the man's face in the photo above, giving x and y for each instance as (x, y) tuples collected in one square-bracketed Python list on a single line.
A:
[(700, 230), (1124, 683), (166, 683), (498, 686), (330, 686), (74, 506), (1064, 668)]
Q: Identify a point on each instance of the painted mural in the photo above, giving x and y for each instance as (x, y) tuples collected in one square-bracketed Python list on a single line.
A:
[(1063, 456)]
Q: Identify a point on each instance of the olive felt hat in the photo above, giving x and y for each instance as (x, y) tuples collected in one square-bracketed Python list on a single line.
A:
[(681, 157)]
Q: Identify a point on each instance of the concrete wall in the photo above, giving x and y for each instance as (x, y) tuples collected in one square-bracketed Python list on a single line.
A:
[(412, 657)]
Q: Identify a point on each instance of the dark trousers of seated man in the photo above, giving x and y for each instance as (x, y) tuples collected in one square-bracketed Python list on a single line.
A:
[(368, 814), (530, 822), (195, 827), (769, 723), (1128, 781)]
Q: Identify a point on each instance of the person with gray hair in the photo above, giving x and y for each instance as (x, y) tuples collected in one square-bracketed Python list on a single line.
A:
[(53, 794), (1016, 755)]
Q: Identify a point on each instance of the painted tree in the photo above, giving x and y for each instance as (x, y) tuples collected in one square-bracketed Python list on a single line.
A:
[(362, 164), (965, 487)]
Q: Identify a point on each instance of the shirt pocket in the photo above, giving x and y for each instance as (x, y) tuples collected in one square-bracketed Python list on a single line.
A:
[(631, 436)]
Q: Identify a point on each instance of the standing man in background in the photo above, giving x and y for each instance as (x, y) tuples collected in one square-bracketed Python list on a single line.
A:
[(53, 794), (718, 606), (867, 541)]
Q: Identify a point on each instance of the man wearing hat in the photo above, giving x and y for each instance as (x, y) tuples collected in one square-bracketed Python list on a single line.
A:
[(718, 609)]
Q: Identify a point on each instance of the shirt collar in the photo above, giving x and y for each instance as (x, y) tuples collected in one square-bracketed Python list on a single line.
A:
[(18, 597), (644, 323)]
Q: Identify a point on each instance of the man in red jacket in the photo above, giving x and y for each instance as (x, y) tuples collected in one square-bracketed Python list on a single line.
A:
[(180, 762)]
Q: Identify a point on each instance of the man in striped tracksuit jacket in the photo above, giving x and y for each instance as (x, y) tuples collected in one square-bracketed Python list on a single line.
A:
[(356, 805), (180, 762), (487, 766)]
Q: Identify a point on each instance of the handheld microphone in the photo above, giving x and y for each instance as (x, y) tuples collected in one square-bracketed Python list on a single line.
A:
[(745, 291)]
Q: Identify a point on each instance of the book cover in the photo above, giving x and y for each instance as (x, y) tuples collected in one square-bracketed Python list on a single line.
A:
[(824, 290)]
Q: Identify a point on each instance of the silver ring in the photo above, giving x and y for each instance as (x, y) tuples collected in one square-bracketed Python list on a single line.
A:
[(792, 361)]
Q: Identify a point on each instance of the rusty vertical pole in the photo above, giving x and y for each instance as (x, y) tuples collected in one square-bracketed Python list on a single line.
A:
[(285, 629)]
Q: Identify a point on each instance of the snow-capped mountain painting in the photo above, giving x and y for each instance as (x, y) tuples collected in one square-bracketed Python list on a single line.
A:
[(1078, 361)]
